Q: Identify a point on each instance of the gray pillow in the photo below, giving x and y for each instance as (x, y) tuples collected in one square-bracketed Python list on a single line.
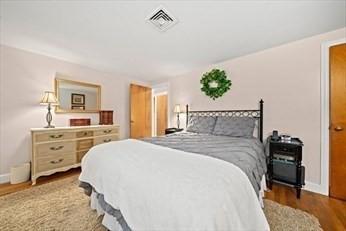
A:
[(201, 124), (234, 126)]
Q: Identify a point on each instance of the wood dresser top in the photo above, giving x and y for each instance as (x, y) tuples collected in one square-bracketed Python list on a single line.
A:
[(72, 127)]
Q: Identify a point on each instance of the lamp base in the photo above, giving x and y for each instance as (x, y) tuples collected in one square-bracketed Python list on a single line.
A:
[(49, 118), (178, 121), (49, 126)]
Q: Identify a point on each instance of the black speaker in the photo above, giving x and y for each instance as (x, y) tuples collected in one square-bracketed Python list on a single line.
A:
[(287, 172)]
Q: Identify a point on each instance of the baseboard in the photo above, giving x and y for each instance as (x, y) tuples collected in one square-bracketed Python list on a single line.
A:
[(316, 188), (4, 178)]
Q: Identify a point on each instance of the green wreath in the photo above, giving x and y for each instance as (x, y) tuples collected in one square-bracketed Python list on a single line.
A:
[(215, 83)]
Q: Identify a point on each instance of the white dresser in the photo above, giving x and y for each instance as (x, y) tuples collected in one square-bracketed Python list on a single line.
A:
[(62, 148)]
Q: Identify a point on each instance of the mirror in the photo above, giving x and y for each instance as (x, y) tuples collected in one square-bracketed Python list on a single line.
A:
[(77, 97)]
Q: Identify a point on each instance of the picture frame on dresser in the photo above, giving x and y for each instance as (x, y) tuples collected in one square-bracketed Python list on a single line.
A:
[(62, 148), (77, 99)]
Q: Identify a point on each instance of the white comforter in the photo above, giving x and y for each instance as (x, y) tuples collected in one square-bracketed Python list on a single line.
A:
[(158, 188)]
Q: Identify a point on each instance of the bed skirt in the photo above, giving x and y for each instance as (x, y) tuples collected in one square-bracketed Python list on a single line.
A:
[(113, 219)]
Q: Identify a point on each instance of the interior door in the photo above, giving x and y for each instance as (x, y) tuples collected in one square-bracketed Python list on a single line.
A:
[(161, 114), (338, 121), (140, 111)]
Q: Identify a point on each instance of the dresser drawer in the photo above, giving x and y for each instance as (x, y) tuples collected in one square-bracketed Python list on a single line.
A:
[(54, 136), (55, 148), (85, 144), (84, 134), (106, 131), (55, 161), (105, 139)]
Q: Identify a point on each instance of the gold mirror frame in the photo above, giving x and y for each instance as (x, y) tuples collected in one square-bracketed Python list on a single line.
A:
[(59, 80)]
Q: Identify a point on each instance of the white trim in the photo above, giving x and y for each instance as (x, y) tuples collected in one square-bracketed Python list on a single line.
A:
[(324, 186), (153, 115), (4, 178), (160, 93), (313, 187), (154, 110), (157, 90)]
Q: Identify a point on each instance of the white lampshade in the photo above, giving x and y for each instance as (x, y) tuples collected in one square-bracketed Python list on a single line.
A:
[(49, 98), (177, 108)]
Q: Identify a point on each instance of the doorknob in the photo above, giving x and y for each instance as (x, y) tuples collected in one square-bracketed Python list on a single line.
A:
[(338, 128), (132, 121)]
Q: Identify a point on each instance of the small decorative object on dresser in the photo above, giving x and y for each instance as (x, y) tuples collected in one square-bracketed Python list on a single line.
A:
[(172, 130), (80, 122), (284, 165), (106, 117), (50, 100), (177, 110), (78, 99), (59, 149)]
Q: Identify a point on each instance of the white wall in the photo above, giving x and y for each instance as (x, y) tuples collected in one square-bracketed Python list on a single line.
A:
[(286, 77), (24, 76)]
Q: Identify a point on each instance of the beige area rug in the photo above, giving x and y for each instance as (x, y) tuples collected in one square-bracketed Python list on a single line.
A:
[(61, 205)]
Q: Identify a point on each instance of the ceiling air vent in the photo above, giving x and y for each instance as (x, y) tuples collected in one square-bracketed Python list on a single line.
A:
[(162, 19)]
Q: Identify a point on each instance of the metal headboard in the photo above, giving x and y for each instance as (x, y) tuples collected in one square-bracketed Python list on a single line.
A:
[(256, 114)]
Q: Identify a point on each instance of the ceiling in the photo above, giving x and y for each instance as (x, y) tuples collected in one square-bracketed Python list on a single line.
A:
[(115, 37)]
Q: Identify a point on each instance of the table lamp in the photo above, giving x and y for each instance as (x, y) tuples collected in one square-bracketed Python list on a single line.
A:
[(177, 111), (50, 100)]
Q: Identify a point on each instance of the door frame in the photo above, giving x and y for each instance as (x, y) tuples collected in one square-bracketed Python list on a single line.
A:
[(325, 110), (157, 89), (154, 111)]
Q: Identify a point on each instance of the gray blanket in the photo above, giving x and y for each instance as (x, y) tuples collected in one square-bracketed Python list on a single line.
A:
[(246, 153)]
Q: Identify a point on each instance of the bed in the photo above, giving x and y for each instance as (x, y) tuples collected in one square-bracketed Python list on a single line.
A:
[(210, 177)]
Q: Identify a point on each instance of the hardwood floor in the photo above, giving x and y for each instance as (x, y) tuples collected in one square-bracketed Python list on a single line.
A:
[(8, 188), (330, 212)]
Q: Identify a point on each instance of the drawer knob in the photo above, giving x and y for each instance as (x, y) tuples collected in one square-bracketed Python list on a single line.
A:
[(56, 136), (107, 140), (56, 148), (56, 161), (107, 131)]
